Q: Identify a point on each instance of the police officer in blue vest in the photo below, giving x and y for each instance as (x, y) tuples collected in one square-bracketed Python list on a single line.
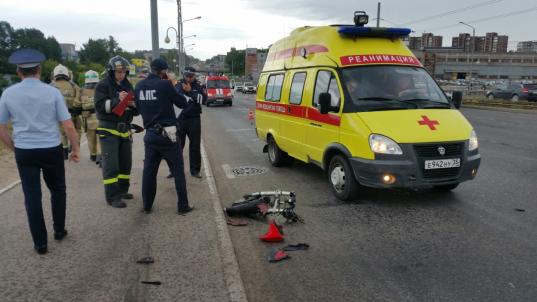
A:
[(190, 118), (155, 98)]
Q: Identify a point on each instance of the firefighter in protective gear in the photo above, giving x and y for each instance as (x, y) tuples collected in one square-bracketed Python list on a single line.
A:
[(115, 107), (71, 94), (88, 116)]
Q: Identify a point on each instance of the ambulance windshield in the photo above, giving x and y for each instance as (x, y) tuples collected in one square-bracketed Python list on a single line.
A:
[(211, 84), (388, 87)]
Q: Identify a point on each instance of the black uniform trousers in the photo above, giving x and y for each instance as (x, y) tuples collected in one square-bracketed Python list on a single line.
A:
[(191, 127), (158, 147), (30, 163), (116, 157)]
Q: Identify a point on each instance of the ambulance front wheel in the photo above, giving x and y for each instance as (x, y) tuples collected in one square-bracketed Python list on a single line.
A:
[(341, 179), (277, 157)]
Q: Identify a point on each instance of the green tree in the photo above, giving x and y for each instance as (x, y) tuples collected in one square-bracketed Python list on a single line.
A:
[(6, 40), (113, 46), (34, 38), (235, 58), (94, 51), (46, 70)]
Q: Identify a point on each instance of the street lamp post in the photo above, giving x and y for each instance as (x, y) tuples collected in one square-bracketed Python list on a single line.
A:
[(472, 44), (167, 40), (183, 58)]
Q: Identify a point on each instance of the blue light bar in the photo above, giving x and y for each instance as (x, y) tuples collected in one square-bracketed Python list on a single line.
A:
[(377, 32)]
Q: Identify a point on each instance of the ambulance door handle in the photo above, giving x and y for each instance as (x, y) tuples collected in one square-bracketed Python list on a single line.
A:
[(316, 125)]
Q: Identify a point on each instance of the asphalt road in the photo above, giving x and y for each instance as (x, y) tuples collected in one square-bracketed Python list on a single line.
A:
[(469, 245)]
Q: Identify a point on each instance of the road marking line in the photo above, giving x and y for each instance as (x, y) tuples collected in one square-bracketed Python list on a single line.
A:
[(16, 183), (232, 274), (227, 170), (9, 187)]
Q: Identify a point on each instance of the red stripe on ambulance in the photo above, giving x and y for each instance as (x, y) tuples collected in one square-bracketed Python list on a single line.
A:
[(300, 112)]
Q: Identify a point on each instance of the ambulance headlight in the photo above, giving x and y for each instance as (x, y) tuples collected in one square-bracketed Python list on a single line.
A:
[(382, 145), (473, 143)]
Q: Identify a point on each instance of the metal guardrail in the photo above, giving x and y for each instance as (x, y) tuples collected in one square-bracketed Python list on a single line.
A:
[(523, 105)]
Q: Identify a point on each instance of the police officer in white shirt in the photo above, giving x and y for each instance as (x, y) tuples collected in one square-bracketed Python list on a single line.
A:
[(35, 109)]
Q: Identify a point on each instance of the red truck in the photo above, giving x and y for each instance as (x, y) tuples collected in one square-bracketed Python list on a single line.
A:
[(219, 91)]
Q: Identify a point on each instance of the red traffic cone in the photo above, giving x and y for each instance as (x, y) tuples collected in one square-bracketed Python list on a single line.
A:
[(274, 233)]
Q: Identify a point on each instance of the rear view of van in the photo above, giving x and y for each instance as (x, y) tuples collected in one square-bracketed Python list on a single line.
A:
[(355, 101)]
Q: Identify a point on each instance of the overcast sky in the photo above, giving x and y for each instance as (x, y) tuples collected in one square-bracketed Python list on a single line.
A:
[(258, 23)]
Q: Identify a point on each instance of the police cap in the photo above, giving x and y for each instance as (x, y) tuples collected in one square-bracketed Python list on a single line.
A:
[(26, 58), (159, 64), (189, 71)]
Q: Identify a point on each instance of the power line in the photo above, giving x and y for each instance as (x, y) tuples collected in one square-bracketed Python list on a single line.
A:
[(518, 12), (455, 11)]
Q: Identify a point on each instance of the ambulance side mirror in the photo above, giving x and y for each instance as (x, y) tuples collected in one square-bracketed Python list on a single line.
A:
[(324, 102), (456, 99)]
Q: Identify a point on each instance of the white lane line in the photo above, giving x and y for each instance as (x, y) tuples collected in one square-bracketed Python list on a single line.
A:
[(240, 130), (16, 183), (227, 170), (10, 186), (232, 274)]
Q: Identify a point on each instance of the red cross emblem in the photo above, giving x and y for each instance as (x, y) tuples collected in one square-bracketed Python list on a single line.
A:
[(430, 123)]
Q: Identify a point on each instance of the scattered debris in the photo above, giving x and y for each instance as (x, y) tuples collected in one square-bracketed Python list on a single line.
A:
[(146, 260), (236, 221), (274, 233), (277, 255), (152, 282), (520, 210)]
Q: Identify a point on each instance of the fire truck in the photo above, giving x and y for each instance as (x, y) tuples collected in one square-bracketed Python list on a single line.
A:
[(218, 91)]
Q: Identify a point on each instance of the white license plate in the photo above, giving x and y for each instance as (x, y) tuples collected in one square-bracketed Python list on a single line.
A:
[(442, 163), (219, 101)]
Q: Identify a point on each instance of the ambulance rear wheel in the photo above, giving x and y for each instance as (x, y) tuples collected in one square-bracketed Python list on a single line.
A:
[(276, 156), (341, 179)]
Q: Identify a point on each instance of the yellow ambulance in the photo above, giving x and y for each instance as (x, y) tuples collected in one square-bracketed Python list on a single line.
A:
[(355, 101)]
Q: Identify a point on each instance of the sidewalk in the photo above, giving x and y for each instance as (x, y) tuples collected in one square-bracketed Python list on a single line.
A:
[(194, 258)]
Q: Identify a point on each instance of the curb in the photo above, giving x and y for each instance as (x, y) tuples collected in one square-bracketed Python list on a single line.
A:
[(230, 265), (503, 109)]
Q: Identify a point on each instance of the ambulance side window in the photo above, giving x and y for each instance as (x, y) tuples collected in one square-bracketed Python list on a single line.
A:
[(297, 88), (326, 82), (274, 88)]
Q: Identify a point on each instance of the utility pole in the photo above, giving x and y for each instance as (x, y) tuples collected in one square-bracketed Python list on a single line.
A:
[(378, 15), (180, 36), (472, 45), (154, 29)]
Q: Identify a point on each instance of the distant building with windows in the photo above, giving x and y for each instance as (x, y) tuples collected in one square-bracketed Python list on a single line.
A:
[(427, 40), (527, 47), (490, 43), (69, 52)]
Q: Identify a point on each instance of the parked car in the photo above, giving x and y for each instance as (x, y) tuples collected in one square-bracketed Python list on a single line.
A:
[(248, 87), (238, 86), (514, 92)]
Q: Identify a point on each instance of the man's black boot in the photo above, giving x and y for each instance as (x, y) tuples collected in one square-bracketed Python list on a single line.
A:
[(60, 235)]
